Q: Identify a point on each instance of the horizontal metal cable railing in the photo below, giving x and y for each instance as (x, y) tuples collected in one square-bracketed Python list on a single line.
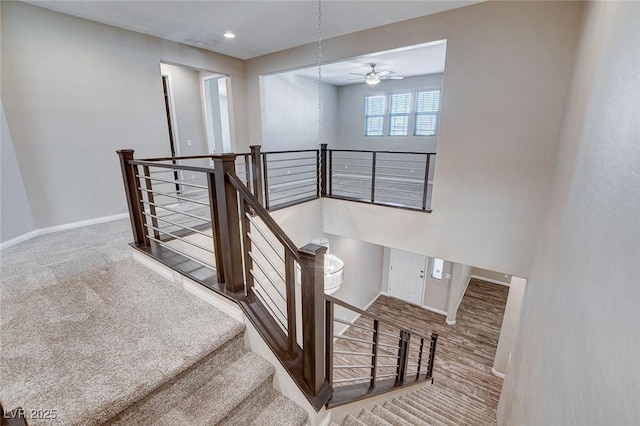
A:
[(367, 352), (398, 179), (290, 177), (175, 206)]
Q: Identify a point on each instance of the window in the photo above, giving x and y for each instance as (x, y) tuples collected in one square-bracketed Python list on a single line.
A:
[(399, 106), (426, 115), (374, 115)]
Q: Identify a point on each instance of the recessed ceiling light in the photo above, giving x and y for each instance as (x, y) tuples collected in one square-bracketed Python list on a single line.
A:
[(229, 34)]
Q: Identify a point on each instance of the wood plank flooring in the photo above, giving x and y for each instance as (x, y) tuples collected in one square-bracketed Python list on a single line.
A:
[(465, 352)]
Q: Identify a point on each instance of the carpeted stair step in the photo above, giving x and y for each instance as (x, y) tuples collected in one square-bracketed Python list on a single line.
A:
[(281, 411), (176, 389), (447, 398), (455, 411), (412, 410), (387, 415), (370, 419), (352, 421), (452, 395), (238, 386), (406, 415), (431, 416), (439, 410)]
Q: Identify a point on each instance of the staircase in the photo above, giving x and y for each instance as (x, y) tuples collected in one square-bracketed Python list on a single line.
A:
[(230, 386), (427, 406)]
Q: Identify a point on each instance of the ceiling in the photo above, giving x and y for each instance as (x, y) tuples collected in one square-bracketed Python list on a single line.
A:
[(261, 27), (405, 62)]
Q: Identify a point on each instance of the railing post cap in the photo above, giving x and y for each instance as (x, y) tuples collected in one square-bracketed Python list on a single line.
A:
[(125, 151), (312, 250), (434, 335), (255, 146), (226, 156)]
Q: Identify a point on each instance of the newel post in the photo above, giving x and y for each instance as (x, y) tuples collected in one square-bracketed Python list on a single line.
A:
[(313, 309), (323, 175), (227, 224), (133, 195), (256, 172)]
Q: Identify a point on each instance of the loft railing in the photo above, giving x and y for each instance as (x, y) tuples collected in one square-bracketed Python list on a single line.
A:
[(205, 217), (389, 178)]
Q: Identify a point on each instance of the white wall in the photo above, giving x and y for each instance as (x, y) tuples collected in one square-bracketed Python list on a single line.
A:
[(460, 275), (351, 116), (510, 320), (74, 91), (575, 360), (437, 292), (15, 212), (187, 98), (290, 112), (508, 67)]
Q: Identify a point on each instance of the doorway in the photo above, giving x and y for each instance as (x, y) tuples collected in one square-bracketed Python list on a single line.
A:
[(407, 276)]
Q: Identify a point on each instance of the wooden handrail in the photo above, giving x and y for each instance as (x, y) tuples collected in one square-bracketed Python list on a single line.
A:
[(171, 166), (372, 316), (289, 151), (263, 214), (382, 152), (186, 157)]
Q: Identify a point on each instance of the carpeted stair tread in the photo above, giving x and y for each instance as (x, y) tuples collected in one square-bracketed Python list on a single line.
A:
[(412, 410), (370, 419), (389, 416), (178, 389), (281, 412), (352, 421), (433, 417), (439, 411), (455, 396), (219, 397), (449, 399), (456, 411), (406, 415)]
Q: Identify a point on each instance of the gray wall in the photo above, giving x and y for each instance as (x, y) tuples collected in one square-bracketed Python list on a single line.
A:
[(351, 116), (508, 66), (575, 360), (290, 112), (74, 91), (15, 212), (187, 98)]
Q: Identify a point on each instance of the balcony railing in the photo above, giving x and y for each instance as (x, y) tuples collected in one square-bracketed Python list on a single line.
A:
[(206, 217)]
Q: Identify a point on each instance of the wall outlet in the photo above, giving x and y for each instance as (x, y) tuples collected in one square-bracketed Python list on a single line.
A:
[(189, 142), (448, 276)]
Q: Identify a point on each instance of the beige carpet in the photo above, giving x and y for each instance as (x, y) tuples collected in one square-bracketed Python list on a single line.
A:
[(85, 330)]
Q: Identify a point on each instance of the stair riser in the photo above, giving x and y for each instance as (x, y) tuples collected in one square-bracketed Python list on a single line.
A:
[(442, 412), (146, 410)]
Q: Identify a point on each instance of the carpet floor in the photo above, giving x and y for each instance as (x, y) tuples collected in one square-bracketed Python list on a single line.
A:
[(85, 329)]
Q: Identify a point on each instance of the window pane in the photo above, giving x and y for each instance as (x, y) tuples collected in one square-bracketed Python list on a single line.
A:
[(398, 125), (374, 105), (425, 124), (400, 103), (374, 126), (428, 101)]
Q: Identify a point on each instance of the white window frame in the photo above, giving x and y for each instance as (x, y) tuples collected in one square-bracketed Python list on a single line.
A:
[(415, 113), (392, 114), (367, 116)]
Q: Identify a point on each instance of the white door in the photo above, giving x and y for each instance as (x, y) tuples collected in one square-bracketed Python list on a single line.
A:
[(407, 276)]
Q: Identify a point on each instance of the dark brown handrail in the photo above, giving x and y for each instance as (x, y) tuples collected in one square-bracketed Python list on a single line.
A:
[(171, 166), (263, 214), (372, 316), (382, 152), (186, 157)]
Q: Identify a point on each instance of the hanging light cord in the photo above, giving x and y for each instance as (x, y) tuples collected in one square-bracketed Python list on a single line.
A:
[(320, 177)]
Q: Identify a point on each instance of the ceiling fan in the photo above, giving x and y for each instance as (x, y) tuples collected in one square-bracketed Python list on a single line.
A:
[(374, 77)]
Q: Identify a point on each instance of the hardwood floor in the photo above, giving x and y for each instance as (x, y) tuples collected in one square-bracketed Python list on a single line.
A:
[(465, 352)]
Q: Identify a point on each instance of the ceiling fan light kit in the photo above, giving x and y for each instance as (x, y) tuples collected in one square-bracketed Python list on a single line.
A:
[(374, 77), (372, 80)]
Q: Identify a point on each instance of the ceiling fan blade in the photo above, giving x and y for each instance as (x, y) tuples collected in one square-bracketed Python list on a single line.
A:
[(397, 77), (355, 73), (353, 79), (383, 73)]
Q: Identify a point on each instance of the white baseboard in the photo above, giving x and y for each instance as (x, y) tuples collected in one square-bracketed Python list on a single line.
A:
[(155, 266), (436, 310), (451, 322), (48, 230), (497, 373), (478, 277)]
